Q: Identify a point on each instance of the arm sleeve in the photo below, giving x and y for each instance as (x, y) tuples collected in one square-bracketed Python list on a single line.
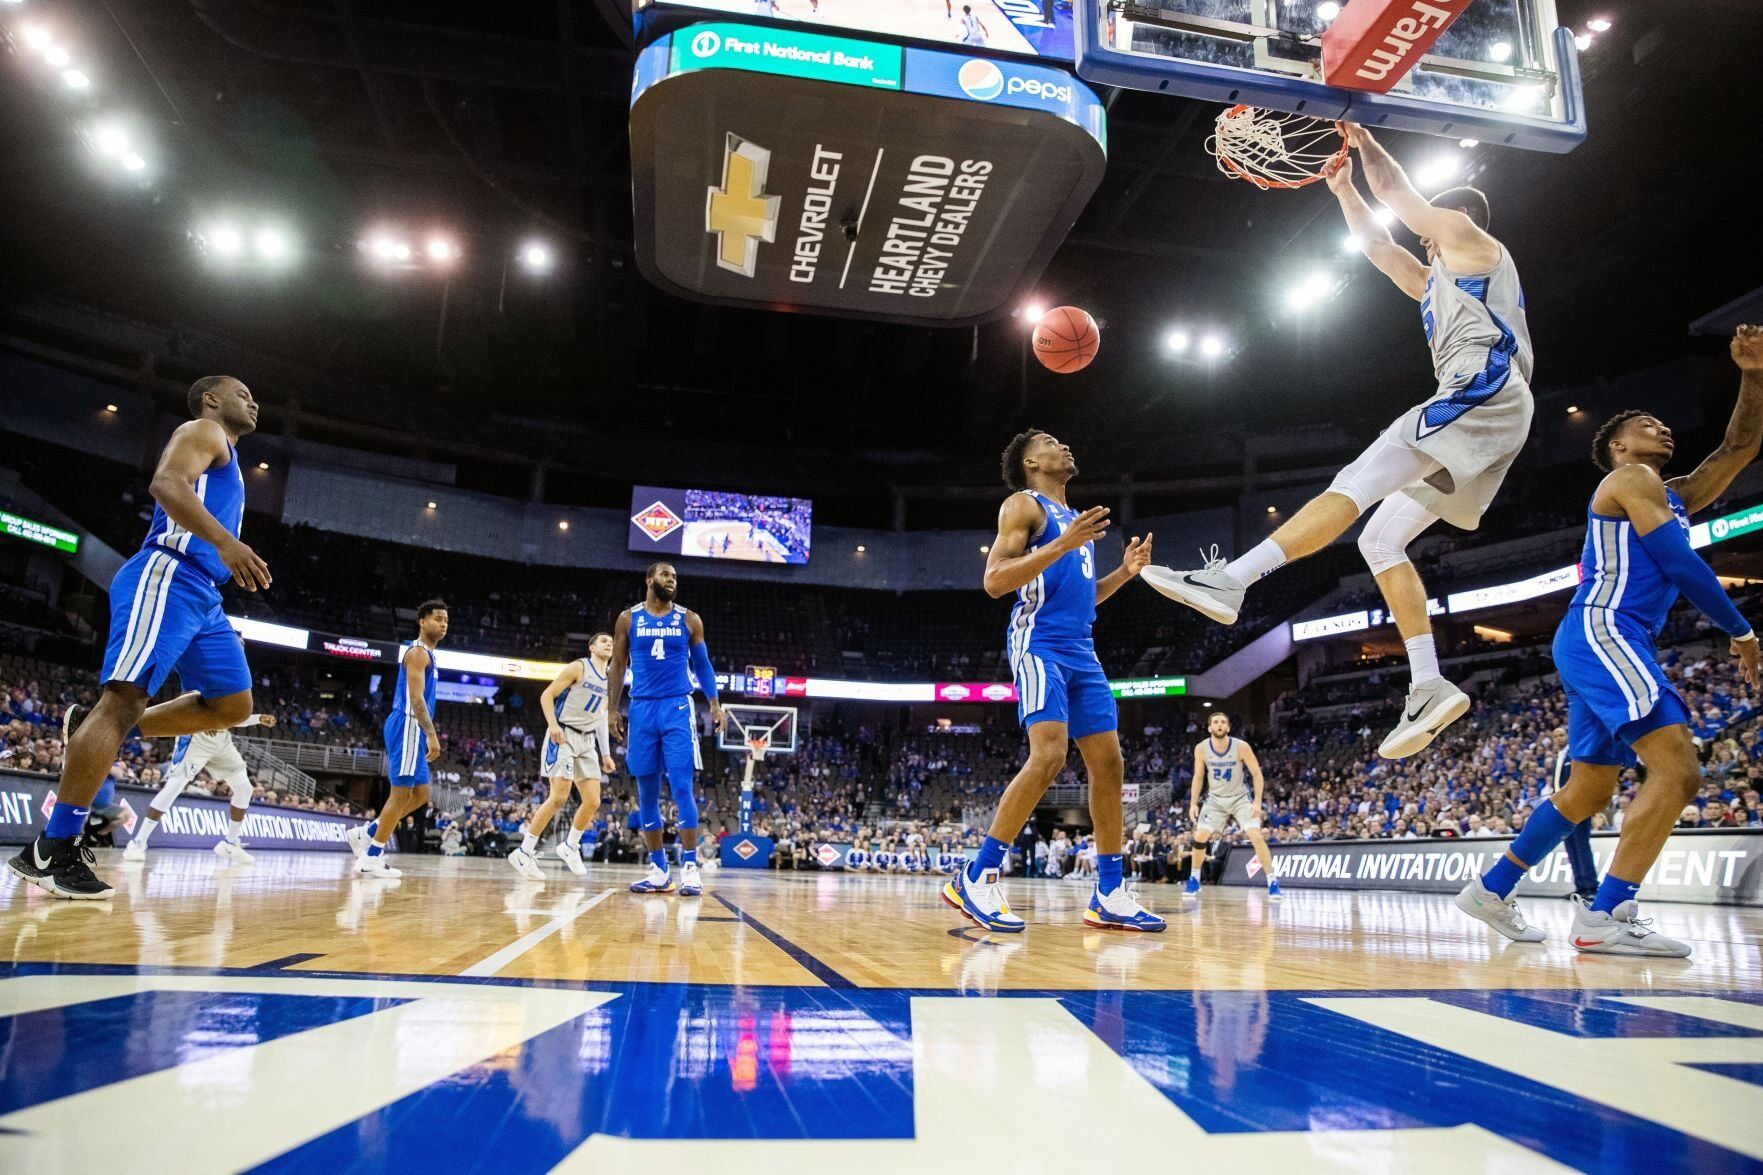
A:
[(250, 720), (604, 740), (1670, 548), (706, 675)]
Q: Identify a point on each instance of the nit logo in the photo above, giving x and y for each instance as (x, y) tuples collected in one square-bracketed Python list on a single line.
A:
[(745, 850), (739, 213), (981, 79), (826, 855), (657, 521)]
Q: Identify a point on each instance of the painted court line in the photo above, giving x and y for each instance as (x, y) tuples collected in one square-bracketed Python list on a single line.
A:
[(526, 942), (809, 963)]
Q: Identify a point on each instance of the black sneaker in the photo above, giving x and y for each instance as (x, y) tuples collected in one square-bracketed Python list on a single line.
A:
[(62, 867), (75, 714)]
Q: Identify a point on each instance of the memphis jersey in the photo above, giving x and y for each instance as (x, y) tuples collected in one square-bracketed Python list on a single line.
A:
[(583, 705), (1226, 778), (401, 695), (222, 492), (661, 654), (1616, 573), (1055, 609), (1464, 316)]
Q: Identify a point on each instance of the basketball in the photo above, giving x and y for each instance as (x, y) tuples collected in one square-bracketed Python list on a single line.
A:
[(1066, 339)]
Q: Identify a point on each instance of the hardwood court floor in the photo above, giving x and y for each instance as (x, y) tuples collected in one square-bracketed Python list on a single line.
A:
[(291, 1016)]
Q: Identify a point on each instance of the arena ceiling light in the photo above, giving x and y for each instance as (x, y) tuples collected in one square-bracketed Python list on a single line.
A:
[(1176, 341), (272, 244), (1212, 346), (1309, 290), (76, 79), (225, 241), (441, 250), (536, 257), (1327, 11), (1598, 24), (1438, 171)]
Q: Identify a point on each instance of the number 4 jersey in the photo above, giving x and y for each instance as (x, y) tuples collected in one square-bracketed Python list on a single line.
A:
[(660, 653)]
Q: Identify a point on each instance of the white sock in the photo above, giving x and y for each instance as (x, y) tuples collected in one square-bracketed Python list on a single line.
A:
[(574, 838), (148, 824), (529, 843), (1423, 659), (1264, 559), (235, 829)]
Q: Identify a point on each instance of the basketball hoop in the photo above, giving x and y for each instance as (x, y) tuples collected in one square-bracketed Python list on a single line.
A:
[(757, 745), (1274, 150)]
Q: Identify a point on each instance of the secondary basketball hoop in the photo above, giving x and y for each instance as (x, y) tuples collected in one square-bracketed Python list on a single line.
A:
[(1274, 150), (757, 745)]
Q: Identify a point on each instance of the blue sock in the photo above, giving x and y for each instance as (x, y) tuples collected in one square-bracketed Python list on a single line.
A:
[(1545, 829), (991, 856), (375, 848), (658, 858), (66, 820), (688, 857), (373, 829), (1613, 892), (1108, 870)]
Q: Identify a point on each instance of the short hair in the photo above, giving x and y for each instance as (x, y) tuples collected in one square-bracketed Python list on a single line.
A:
[(1471, 202), (201, 388), (1015, 476), (428, 607), (649, 572), (598, 635), (1607, 433)]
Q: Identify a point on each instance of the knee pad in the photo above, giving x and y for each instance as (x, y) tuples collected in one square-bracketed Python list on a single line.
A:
[(240, 785), (1398, 521), (169, 791), (649, 802), (1380, 549)]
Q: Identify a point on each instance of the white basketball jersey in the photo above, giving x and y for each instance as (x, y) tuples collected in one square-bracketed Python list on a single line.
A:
[(1226, 778), (583, 706)]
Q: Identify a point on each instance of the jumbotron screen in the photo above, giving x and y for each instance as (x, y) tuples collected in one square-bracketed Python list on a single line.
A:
[(717, 524), (1026, 28)]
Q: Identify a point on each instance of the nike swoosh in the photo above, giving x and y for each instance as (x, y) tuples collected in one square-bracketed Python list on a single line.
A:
[(1192, 582), (1412, 716), (1596, 942)]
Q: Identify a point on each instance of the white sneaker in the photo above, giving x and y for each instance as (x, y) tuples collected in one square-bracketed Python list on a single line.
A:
[(571, 856), (1429, 709), (232, 852), (1208, 591), (376, 867), (1482, 903), (525, 865), (1622, 931), (657, 880), (690, 883), (357, 838), (134, 852), (982, 901)]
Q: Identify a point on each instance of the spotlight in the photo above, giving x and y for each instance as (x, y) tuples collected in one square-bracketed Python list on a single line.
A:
[(536, 257), (110, 407), (1523, 99), (440, 249), (1349, 244), (1573, 409), (1501, 51), (263, 465), (1438, 171), (1598, 25), (861, 548), (985, 550), (431, 505), (1273, 510), (563, 524), (1327, 11), (1033, 312), (134, 162), (1383, 215), (35, 37), (1310, 291), (1582, 42), (110, 140), (76, 79), (1212, 346), (226, 241), (1466, 144), (56, 56), (400, 252), (1176, 340), (271, 243)]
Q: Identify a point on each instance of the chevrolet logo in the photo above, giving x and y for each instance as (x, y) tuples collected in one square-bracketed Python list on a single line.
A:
[(739, 212)]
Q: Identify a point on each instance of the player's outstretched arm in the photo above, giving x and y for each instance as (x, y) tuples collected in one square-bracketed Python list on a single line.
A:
[(621, 660), (1704, 485), (1467, 249), (1010, 563), (1132, 561), (1373, 239), (195, 448), (566, 678)]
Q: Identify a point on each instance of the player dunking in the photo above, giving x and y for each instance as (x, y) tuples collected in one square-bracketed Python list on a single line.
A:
[(1445, 458), (663, 644), (165, 616), (1045, 552), (1220, 762), (576, 751), (1620, 706), (411, 741), (215, 752)]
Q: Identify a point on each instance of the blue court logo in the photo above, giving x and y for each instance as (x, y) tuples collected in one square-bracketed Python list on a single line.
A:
[(981, 79)]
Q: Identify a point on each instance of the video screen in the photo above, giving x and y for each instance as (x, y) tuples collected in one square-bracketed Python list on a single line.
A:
[(716, 524), (1031, 28)]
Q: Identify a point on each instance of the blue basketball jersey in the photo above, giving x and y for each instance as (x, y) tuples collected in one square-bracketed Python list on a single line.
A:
[(1056, 609), (1617, 573), (661, 654), (222, 492), (401, 696)]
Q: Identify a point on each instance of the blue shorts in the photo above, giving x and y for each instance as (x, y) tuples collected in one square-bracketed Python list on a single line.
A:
[(1616, 692), (407, 745), (1073, 691), (663, 736), (165, 617)]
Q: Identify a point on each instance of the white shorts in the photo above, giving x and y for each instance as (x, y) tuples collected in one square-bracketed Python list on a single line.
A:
[(1217, 813), (214, 752), (577, 758)]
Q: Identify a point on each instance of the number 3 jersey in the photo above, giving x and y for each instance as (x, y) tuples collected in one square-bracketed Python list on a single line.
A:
[(1056, 609)]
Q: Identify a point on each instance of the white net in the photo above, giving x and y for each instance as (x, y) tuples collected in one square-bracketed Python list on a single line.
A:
[(1274, 150)]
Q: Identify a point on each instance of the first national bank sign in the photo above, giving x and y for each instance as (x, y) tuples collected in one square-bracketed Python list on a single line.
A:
[(793, 170)]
